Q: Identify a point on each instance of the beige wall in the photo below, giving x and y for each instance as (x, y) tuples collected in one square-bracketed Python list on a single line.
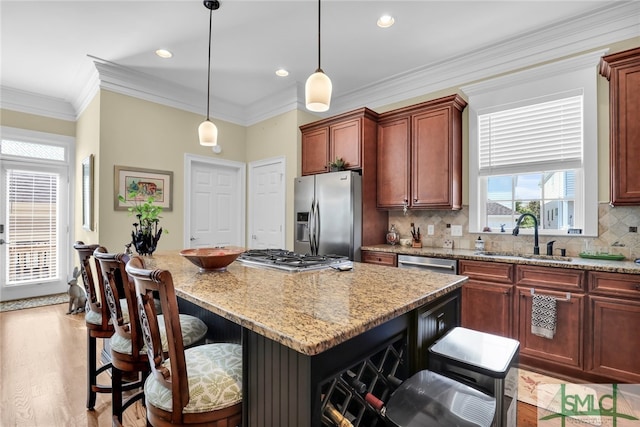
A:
[(139, 133), (37, 123)]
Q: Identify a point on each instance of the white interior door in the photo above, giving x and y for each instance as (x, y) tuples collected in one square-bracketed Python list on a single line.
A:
[(267, 204), (216, 197)]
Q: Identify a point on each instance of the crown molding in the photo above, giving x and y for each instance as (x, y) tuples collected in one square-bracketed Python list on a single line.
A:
[(126, 81), (33, 103), (610, 24), (575, 63)]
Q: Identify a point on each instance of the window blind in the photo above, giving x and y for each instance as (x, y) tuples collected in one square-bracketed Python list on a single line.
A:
[(33, 224), (535, 137)]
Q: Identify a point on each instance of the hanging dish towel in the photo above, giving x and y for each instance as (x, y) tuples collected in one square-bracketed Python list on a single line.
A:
[(543, 316)]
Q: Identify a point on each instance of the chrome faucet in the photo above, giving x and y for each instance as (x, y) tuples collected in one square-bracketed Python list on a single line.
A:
[(516, 231)]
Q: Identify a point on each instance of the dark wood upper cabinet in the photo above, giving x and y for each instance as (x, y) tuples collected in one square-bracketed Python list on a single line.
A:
[(315, 151), (622, 69), (420, 155), (346, 136), (393, 162)]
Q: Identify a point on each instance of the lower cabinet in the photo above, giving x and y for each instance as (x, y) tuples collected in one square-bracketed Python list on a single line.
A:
[(565, 349), (563, 353), (613, 345), (487, 297)]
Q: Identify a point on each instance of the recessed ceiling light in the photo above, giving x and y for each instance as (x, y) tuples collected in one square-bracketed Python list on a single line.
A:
[(385, 21), (282, 72), (164, 53)]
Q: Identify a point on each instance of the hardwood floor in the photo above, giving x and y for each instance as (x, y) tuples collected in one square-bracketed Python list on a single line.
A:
[(43, 374)]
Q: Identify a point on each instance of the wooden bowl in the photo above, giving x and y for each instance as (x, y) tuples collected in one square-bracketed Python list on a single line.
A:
[(212, 259)]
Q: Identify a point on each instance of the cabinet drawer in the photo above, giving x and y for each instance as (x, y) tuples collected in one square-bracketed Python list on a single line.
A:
[(489, 271), (383, 258), (551, 278), (615, 284)]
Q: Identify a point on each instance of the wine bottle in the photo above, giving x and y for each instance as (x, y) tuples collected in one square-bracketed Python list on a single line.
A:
[(335, 416), (377, 404), (352, 379), (394, 382)]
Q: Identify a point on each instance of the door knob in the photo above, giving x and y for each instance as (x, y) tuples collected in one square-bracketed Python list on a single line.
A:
[(192, 239)]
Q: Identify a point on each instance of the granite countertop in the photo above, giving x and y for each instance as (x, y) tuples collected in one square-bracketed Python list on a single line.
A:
[(308, 312), (625, 266)]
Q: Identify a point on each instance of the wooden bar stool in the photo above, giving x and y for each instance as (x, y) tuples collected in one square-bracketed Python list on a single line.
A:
[(199, 386), (128, 353), (97, 319)]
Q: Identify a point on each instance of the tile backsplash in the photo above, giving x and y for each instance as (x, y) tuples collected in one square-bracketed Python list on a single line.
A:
[(613, 232)]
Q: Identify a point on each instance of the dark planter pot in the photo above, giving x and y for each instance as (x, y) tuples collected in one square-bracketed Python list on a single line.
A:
[(145, 240)]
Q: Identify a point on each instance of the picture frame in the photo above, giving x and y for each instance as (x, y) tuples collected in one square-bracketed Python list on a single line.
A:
[(149, 182), (87, 193)]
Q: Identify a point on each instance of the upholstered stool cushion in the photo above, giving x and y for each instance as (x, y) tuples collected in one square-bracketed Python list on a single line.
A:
[(193, 330), (95, 317), (215, 379)]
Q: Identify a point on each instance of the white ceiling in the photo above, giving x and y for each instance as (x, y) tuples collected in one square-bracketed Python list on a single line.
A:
[(52, 48)]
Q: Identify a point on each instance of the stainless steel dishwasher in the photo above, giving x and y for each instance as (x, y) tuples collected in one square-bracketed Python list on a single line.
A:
[(440, 265)]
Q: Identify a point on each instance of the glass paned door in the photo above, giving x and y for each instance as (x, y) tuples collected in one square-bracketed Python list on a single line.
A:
[(34, 217)]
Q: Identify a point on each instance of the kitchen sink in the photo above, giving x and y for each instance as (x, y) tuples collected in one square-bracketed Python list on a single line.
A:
[(519, 255)]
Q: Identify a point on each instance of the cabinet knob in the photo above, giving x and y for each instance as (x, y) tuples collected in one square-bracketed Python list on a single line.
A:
[(415, 200), (637, 287)]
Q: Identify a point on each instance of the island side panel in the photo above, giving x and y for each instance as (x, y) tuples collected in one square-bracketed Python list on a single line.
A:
[(282, 387), (276, 384)]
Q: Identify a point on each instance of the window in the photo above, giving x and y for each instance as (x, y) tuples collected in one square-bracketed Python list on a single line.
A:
[(529, 159), (533, 149)]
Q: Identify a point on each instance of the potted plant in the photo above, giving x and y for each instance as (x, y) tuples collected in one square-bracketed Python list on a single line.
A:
[(337, 165), (146, 233)]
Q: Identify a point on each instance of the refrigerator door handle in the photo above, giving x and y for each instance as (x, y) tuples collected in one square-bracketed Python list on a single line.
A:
[(316, 228), (311, 227)]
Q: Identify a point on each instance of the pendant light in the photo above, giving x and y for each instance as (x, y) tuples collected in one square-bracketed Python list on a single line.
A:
[(318, 87), (208, 131)]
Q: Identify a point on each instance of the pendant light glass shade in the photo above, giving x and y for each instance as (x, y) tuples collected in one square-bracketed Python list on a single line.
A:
[(208, 133), (318, 87), (318, 92)]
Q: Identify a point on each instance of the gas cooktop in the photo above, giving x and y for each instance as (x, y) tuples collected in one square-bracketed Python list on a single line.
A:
[(282, 259)]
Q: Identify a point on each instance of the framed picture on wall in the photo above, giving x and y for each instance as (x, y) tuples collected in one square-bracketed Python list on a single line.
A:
[(144, 183), (87, 193)]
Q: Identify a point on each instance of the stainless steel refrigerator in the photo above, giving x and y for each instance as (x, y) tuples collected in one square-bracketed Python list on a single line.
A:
[(328, 214)]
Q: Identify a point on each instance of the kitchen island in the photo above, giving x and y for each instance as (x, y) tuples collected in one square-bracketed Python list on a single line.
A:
[(300, 330)]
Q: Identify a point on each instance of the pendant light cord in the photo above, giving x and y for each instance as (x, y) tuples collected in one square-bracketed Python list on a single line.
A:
[(319, 68), (209, 67)]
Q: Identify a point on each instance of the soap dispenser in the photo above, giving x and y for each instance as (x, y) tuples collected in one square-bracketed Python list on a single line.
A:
[(480, 244)]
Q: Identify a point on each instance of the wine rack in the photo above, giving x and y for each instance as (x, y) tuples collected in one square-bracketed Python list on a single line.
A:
[(376, 374)]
